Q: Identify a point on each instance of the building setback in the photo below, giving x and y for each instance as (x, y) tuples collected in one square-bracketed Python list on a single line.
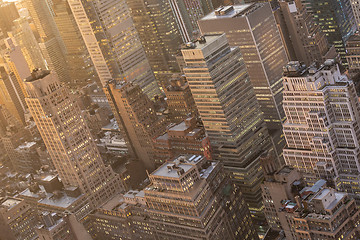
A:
[(322, 128)]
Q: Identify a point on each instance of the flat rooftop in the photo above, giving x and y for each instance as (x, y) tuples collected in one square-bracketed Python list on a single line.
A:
[(165, 171), (37, 74), (238, 10), (10, 203), (179, 127), (62, 200), (202, 44)]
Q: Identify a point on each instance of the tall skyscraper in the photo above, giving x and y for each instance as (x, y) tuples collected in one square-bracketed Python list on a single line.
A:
[(68, 139), (253, 28), (8, 13), (336, 19), (137, 119), (113, 43), (322, 127), (303, 39), (25, 38), (158, 32), (11, 94), (188, 13), (50, 43), (77, 57), (229, 110)]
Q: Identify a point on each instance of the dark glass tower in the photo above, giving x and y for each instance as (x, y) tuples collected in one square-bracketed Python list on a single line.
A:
[(336, 20)]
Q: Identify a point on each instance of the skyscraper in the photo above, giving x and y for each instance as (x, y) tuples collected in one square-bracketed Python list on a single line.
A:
[(355, 5), (68, 139), (77, 57), (228, 107), (113, 43), (137, 119), (336, 19), (158, 32), (303, 39), (353, 54), (24, 37), (322, 127), (11, 94), (8, 13), (188, 13), (51, 45), (253, 28)]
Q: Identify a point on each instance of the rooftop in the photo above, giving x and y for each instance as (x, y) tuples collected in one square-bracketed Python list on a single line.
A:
[(299, 69), (60, 199), (171, 170), (10, 203), (26, 145), (202, 42), (230, 11), (37, 74)]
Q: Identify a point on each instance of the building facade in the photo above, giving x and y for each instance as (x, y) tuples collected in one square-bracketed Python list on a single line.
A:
[(113, 43), (137, 119), (183, 138), (188, 13), (179, 99), (322, 127), (353, 54), (252, 27), (303, 39), (228, 108), (336, 20), (68, 139)]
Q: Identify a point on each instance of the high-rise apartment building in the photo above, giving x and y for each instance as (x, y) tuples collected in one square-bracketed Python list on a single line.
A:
[(322, 127), (113, 43), (50, 42), (137, 119), (228, 108), (303, 39), (336, 19), (68, 139), (252, 27), (187, 14)]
